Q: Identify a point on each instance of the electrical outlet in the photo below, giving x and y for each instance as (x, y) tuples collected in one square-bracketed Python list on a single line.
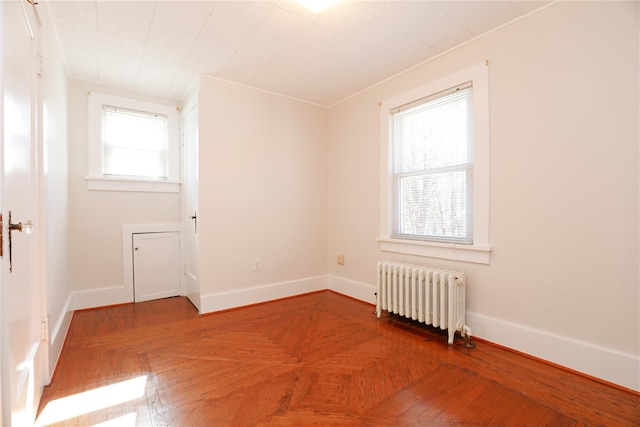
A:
[(256, 264), (341, 259)]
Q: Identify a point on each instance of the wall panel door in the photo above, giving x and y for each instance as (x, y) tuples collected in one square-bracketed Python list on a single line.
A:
[(156, 265)]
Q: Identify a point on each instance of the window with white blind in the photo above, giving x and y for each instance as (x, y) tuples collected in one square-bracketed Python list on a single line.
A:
[(432, 142), (133, 145), (435, 176)]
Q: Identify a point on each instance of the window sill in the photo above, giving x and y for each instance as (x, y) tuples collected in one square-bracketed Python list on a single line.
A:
[(129, 184), (467, 253)]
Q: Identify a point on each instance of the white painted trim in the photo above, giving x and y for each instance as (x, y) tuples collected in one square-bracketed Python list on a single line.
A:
[(95, 101), (128, 230), (263, 293), (466, 253), (100, 183), (58, 334), (479, 75), (358, 290), (53, 333), (91, 298), (607, 364)]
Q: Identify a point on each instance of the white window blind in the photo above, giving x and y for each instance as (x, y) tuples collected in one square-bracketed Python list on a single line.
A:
[(432, 167), (134, 143)]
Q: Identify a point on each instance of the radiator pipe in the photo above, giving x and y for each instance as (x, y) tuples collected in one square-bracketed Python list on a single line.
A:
[(466, 334)]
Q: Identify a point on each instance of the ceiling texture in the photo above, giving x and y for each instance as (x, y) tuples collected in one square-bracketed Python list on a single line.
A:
[(159, 47)]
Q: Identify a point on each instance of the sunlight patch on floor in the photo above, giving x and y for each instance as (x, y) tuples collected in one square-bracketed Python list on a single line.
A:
[(89, 401), (128, 420)]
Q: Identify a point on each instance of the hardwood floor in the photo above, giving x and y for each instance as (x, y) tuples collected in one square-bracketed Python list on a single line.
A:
[(316, 360)]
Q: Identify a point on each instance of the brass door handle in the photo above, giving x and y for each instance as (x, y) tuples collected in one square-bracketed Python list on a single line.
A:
[(27, 227)]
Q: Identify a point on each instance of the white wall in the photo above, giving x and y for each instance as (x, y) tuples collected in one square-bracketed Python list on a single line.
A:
[(96, 217), (54, 201), (263, 194), (563, 280)]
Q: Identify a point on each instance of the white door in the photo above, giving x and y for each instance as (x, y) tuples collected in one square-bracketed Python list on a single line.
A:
[(23, 358), (190, 191), (156, 265)]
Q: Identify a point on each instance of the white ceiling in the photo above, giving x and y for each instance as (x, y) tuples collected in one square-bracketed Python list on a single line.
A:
[(159, 47)]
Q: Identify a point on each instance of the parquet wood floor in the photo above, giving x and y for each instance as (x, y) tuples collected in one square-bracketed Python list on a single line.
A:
[(315, 360)]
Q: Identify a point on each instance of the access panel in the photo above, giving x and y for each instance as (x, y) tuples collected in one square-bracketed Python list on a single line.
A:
[(156, 265)]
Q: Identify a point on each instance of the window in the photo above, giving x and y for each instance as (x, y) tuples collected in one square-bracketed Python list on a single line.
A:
[(435, 175), (431, 142), (133, 145)]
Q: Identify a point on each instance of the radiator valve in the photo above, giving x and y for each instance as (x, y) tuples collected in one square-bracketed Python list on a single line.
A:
[(465, 331)]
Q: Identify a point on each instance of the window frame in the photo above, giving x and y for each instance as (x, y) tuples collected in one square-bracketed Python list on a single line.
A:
[(480, 250), (96, 180)]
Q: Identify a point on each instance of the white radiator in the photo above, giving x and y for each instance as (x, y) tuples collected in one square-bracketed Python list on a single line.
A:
[(429, 295)]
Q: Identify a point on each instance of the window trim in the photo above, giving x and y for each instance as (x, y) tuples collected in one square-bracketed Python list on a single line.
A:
[(480, 250), (97, 181)]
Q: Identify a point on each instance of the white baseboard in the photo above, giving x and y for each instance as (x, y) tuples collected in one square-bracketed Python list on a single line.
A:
[(101, 297), (257, 294), (606, 364), (358, 290), (609, 365), (58, 334)]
